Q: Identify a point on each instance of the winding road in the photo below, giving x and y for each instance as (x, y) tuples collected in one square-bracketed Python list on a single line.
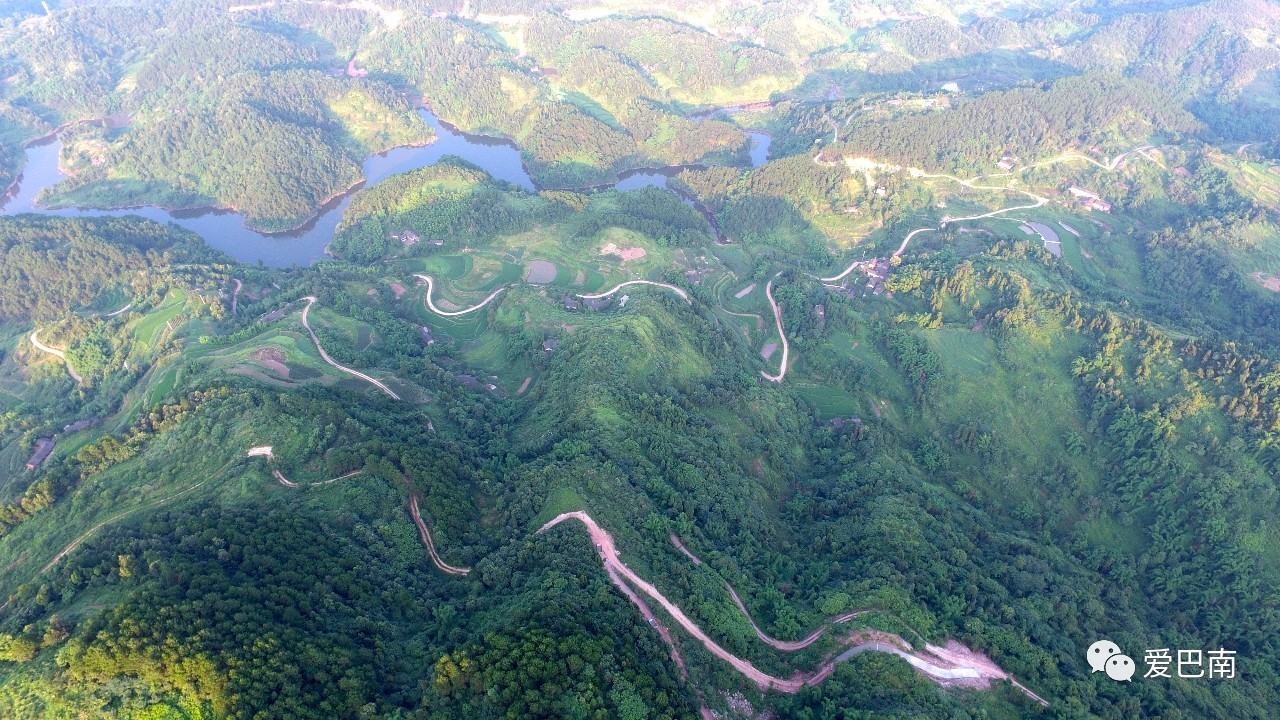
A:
[(325, 356), (759, 320), (947, 664), (621, 285), (35, 342), (786, 349), (784, 645), (426, 540), (455, 313), (1109, 166)]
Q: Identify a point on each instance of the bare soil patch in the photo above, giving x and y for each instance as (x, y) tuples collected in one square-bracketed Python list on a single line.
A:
[(272, 358), (1268, 281), (398, 289), (626, 253), (260, 376)]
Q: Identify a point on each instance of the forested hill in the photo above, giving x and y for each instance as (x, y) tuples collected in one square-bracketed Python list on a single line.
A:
[(585, 93), (1112, 114), (917, 348), (51, 267)]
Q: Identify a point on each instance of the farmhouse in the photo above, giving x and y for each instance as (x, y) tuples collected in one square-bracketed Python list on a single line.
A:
[(44, 446), (408, 237), (1089, 200), (79, 425)]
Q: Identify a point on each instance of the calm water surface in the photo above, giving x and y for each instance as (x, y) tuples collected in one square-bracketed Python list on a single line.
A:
[(225, 229)]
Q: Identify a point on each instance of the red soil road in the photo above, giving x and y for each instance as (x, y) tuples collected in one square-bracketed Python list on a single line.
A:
[(644, 610), (949, 665), (426, 540)]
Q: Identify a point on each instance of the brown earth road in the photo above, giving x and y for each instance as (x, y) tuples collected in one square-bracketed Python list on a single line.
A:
[(35, 342), (784, 645), (786, 348), (426, 540), (952, 664), (680, 546), (325, 356)]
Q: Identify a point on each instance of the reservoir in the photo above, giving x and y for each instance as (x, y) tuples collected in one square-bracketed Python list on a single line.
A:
[(225, 229)]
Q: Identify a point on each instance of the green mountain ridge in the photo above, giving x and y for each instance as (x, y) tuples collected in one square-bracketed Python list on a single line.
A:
[(993, 371)]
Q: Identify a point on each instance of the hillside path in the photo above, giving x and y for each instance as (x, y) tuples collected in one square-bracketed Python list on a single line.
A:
[(952, 663), (621, 285), (324, 355), (426, 540), (454, 313), (786, 348), (35, 342)]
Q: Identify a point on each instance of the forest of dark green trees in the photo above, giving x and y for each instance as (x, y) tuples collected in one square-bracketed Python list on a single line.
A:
[(1005, 444)]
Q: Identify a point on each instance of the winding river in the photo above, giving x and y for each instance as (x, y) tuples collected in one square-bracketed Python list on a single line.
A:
[(226, 231)]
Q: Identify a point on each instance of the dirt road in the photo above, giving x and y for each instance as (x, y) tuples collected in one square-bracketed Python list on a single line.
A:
[(945, 665), (680, 546), (426, 540), (1109, 166), (325, 356), (89, 533), (786, 349), (621, 285), (35, 342), (454, 313), (759, 320), (784, 645), (235, 296)]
